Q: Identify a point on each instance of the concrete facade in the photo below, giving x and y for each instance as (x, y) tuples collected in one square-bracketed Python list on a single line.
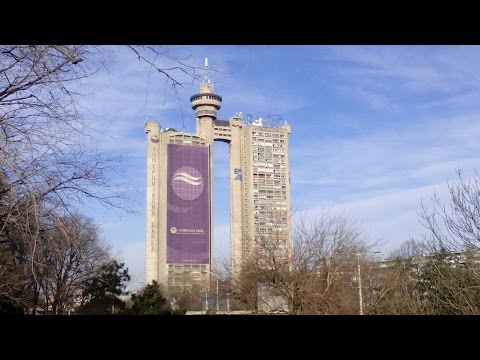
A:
[(259, 188)]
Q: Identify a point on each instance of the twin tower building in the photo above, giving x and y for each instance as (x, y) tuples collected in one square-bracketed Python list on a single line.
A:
[(179, 234)]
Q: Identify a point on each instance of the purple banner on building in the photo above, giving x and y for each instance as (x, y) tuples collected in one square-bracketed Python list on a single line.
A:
[(188, 208)]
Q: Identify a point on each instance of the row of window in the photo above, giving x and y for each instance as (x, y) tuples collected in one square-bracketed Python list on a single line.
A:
[(265, 207), (206, 97), (269, 163), (222, 129), (269, 204), (268, 150), (269, 189), (182, 139), (261, 140), (262, 156), (264, 197), (268, 134), (271, 229), (174, 274), (267, 146), (260, 168), (278, 175), (268, 182), (269, 220), (222, 135), (187, 266), (270, 212)]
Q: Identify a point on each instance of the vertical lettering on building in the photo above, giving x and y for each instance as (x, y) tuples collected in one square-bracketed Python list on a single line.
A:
[(153, 199)]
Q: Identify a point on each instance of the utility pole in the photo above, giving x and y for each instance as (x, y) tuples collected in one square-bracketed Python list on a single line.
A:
[(360, 298), (359, 284), (217, 290)]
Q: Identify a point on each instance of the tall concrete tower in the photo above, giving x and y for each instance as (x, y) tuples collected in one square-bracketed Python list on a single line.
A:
[(265, 187), (206, 104), (180, 191), (154, 252)]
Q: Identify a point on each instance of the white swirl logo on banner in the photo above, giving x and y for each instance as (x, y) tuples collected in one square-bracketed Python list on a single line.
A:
[(187, 183)]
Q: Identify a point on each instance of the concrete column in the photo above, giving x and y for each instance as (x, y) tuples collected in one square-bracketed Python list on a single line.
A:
[(152, 130), (236, 199)]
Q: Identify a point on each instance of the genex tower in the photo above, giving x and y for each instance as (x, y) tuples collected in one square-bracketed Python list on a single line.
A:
[(179, 239)]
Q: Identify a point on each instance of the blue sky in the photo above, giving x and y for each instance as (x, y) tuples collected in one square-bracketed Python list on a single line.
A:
[(375, 129)]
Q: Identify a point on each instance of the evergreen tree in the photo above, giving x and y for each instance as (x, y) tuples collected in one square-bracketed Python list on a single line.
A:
[(150, 302), (101, 293)]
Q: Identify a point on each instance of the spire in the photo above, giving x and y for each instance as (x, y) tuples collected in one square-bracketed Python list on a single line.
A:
[(206, 86), (207, 80)]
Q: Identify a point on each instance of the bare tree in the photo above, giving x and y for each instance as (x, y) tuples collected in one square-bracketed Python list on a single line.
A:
[(318, 277), (392, 286), (49, 162), (324, 262), (440, 274), (49, 267), (45, 146), (175, 68), (449, 284), (15, 263), (455, 227), (71, 253), (451, 278)]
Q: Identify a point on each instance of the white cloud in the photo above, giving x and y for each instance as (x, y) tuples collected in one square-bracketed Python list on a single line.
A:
[(414, 152), (390, 215), (395, 74), (380, 175)]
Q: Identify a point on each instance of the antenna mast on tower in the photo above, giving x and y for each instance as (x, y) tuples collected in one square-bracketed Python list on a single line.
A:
[(207, 80)]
